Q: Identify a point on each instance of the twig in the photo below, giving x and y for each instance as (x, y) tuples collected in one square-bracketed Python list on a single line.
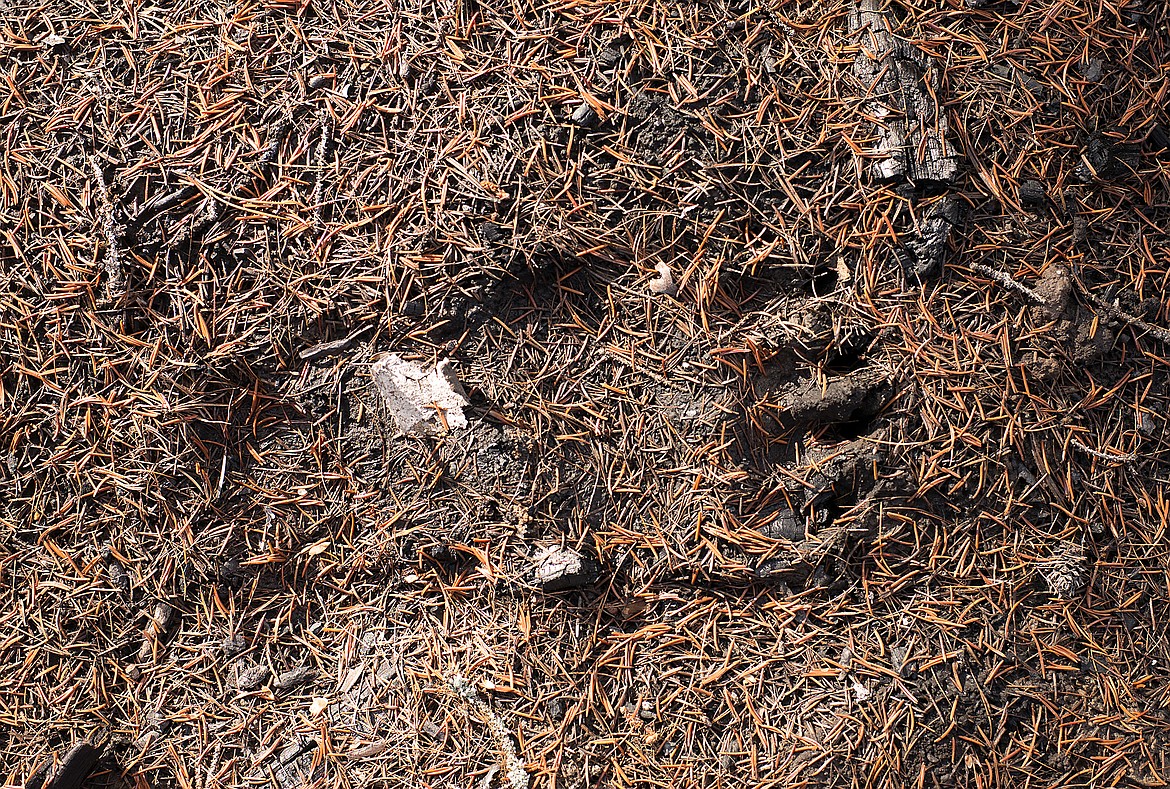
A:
[(1114, 311), (1112, 458), (112, 262), (1007, 281)]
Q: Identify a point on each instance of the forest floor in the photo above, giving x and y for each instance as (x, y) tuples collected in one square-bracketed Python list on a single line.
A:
[(468, 393)]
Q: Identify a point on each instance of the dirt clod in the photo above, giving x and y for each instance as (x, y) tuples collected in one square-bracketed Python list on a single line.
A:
[(293, 678), (835, 399), (252, 677)]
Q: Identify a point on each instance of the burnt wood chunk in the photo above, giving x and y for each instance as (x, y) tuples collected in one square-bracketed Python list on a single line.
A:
[(926, 250), (910, 126), (76, 766)]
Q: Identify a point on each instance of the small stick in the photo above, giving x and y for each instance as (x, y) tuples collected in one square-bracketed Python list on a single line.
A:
[(1116, 312), (116, 284), (1126, 458), (319, 163), (1005, 279)]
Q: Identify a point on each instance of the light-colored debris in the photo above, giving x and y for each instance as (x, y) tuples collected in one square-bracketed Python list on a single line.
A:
[(861, 691), (418, 398), (664, 283), (560, 568), (112, 262), (53, 41), (119, 579), (366, 751), (513, 764), (1064, 574), (161, 620)]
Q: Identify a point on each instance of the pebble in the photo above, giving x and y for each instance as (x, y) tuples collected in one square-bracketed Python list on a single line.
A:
[(584, 116)]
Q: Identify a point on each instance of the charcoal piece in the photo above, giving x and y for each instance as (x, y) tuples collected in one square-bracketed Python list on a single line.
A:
[(779, 568), (608, 56), (1091, 71), (786, 525), (1096, 161), (320, 81), (1159, 142), (1137, 15), (294, 750), (36, 779), (911, 129), (76, 766), (1032, 192), (1104, 160), (492, 232), (925, 252), (584, 116)]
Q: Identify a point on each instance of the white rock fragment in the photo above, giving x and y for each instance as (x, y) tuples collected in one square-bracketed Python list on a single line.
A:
[(560, 568), (418, 398), (663, 284)]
